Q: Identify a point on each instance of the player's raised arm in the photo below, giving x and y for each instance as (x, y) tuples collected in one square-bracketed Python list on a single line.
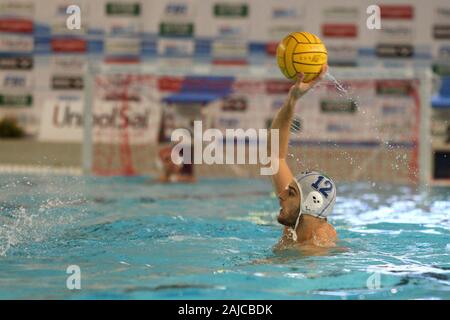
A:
[(282, 122)]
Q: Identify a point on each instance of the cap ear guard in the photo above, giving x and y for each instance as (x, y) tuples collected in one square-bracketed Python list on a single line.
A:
[(313, 203)]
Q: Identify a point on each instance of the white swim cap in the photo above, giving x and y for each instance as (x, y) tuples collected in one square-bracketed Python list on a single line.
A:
[(317, 196)]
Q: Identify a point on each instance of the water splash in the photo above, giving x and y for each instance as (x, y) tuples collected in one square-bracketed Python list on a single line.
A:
[(31, 225), (343, 92), (11, 233), (29, 214)]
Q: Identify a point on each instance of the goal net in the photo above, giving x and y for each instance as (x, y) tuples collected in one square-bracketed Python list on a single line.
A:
[(358, 124), (124, 119)]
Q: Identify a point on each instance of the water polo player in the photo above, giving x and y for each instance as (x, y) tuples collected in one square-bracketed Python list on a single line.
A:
[(307, 199)]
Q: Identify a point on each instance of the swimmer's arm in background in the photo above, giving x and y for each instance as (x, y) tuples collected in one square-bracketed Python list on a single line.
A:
[(282, 122)]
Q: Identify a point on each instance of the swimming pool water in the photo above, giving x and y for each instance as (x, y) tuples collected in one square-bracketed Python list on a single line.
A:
[(213, 240)]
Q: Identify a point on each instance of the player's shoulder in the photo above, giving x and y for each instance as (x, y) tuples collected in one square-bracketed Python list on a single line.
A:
[(327, 233)]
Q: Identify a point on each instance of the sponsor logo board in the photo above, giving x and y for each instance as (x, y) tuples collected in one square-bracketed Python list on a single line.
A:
[(69, 45), (67, 82), (123, 9), (15, 43), (16, 63), (441, 32), (16, 25), (62, 120), (340, 30), (22, 80), (397, 12), (338, 106), (16, 100), (231, 10), (394, 50)]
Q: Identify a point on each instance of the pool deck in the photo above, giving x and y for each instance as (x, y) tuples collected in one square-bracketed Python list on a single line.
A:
[(347, 164), (31, 156)]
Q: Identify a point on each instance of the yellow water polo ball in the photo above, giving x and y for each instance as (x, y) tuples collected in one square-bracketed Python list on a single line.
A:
[(301, 52)]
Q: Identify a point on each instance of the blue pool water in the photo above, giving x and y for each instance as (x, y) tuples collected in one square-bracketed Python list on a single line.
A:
[(136, 240)]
